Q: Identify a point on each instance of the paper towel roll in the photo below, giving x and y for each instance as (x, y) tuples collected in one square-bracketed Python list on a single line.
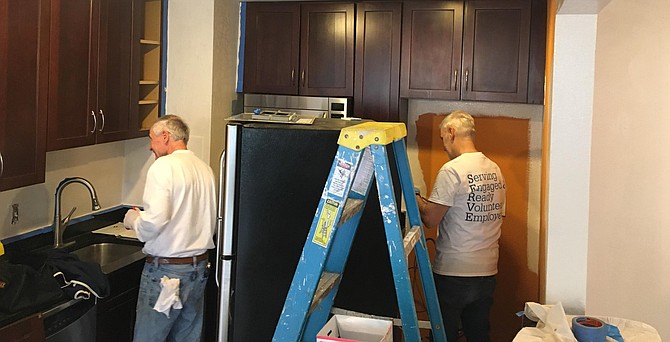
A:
[(589, 329)]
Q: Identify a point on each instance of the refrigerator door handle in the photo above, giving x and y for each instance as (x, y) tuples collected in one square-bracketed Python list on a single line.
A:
[(224, 301), (219, 219)]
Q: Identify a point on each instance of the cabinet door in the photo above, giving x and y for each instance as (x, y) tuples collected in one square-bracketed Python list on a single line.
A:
[(29, 329), (73, 117), (115, 78), (327, 49), (495, 50), (377, 60), (431, 52), (24, 44), (271, 51)]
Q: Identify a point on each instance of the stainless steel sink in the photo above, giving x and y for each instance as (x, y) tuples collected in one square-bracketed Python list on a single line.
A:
[(110, 256)]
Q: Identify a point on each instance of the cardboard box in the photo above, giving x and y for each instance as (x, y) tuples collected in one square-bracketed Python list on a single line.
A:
[(350, 328)]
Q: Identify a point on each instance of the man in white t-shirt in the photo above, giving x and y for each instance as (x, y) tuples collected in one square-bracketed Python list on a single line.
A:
[(467, 204), (177, 226)]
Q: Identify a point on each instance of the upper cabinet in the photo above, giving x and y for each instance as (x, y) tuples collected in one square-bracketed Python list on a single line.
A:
[(378, 41), (472, 50), (299, 49), (24, 46), (95, 71)]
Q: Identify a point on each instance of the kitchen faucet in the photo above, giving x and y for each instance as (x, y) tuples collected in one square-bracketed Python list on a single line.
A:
[(60, 225)]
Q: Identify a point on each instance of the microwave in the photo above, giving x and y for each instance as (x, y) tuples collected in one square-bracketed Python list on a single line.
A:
[(321, 107)]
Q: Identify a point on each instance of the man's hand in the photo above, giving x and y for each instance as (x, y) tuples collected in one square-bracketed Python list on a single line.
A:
[(130, 218)]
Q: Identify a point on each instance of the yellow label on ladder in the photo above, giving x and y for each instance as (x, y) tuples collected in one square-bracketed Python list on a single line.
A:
[(326, 223)]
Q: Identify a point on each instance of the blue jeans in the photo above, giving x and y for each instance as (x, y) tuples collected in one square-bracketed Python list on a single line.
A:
[(465, 301), (184, 324)]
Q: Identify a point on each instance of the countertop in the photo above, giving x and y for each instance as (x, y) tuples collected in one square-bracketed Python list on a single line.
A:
[(80, 232)]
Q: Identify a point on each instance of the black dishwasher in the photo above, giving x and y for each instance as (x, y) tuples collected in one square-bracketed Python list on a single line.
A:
[(71, 321)]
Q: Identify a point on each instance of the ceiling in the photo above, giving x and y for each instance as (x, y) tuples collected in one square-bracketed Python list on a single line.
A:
[(581, 6)]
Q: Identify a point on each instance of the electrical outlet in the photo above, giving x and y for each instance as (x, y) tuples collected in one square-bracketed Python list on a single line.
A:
[(15, 213)]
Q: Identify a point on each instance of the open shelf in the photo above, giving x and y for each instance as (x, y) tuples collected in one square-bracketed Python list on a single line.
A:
[(150, 64), (150, 42)]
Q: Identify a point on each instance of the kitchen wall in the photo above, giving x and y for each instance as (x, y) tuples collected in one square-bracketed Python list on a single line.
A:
[(103, 165), (607, 235), (608, 157), (628, 254)]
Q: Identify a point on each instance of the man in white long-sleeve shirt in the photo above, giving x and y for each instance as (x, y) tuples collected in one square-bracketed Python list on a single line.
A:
[(176, 225)]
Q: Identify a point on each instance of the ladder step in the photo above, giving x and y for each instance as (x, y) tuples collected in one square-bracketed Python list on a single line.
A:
[(411, 239), (351, 208), (326, 284)]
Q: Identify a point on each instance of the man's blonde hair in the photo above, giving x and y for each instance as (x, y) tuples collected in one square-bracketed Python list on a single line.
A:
[(462, 122), (174, 125)]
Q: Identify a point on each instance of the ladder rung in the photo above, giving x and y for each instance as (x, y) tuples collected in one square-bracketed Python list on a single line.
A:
[(351, 207), (326, 283), (396, 321), (411, 239)]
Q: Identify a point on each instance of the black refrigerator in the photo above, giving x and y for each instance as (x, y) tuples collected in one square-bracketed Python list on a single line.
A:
[(272, 176)]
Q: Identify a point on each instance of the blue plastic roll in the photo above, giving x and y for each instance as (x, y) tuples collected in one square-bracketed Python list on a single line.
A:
[(589, 329)]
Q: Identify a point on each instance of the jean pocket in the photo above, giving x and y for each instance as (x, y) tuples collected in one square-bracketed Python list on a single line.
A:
[(205, 273)]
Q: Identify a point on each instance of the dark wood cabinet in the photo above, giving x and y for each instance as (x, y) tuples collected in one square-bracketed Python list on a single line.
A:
[(432, 43), (378, 39), (117, 312), (299, 49), (24, 45), (29, 329), (496, 39), (493, 64), (272, 48), (99, 87), (89, 85)]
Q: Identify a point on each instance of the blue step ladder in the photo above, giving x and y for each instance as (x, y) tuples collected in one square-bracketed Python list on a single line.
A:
[(362, 154)]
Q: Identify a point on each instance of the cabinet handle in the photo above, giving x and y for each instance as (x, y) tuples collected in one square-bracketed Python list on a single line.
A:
[(292, 76), (456, 79), (302, 77), (2, 165), (95, 122), (467, 74), (102, 126)]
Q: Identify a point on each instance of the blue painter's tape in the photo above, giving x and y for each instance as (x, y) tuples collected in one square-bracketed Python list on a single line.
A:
[(589, 329)]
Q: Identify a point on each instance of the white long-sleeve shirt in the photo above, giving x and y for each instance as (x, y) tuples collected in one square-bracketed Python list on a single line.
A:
[(179, 200)]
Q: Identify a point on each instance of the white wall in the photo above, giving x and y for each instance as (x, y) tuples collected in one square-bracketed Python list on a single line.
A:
[(188, 88), (101, 164), (569, 161), (629, 237), (607, 231)]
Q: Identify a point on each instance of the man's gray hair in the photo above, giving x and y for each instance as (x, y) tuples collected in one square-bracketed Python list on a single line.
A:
[(172, 124), (460, 121)]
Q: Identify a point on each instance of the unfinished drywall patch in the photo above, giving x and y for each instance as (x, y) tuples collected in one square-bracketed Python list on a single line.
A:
[(505, 141)]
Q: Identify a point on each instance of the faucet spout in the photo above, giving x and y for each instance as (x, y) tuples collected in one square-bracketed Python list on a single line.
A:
[(60, 225)]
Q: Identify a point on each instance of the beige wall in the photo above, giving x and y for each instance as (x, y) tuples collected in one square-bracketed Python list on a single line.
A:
[(101, 164), (629, 236)]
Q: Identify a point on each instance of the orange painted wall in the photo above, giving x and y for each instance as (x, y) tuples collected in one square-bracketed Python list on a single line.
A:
[(506, 141)]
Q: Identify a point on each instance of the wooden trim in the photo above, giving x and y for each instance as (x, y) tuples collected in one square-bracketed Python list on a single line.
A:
[(546, 126)]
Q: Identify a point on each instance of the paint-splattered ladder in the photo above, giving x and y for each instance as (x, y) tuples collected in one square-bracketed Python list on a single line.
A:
[(362, 153)]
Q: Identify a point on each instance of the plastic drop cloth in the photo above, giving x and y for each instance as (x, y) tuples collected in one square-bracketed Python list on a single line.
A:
[(553, 325)]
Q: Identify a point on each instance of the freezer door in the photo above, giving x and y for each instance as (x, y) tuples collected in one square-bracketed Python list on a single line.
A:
[(225, 223)]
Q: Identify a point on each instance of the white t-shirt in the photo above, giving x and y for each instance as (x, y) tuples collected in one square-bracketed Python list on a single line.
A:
[(473, 188), (179, 215)]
